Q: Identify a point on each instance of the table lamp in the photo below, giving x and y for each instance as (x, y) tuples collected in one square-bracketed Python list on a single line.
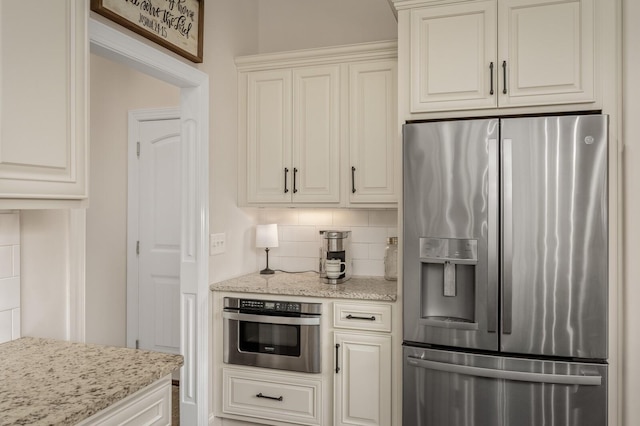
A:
[(267, 237)]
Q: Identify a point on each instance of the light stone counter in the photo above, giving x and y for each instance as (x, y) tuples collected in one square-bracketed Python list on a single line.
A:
[(309, 284), (51, 382)]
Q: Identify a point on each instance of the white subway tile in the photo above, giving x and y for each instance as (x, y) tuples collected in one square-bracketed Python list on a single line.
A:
[(392, 232), (373, 268), (308, 249), (318, 217), (305, 233), (16, 261), (388, 218), (6, 261), (369, 235), (376, 251), (280, 216), (285, 249), (351, 218), (16, 333), (359, 251), (298, 264), (9, 293), (6, 326), (9, 229), (286, 233)]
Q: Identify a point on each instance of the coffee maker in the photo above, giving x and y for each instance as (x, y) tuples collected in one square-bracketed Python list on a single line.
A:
[(335, 245)]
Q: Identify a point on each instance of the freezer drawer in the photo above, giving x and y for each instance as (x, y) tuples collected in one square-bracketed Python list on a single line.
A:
[(443, 388)]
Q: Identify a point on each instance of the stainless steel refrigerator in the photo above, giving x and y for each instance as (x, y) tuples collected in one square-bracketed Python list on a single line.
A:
[(505, 274)]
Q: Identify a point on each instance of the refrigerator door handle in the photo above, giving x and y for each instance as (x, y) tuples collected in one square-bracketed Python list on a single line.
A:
[(507, 235), (522, 376), (492, 239)]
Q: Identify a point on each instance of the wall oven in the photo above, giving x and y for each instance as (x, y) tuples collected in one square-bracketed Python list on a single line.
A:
[(272, 334)]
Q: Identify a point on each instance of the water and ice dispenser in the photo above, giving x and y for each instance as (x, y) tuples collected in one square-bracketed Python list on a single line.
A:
[(448, 272)]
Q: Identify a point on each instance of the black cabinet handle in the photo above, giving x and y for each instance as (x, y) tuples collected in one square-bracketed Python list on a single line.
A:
[(491, 72), (504, 77), (371, 318), (260, 395), (286, 172), (353, 179), (337, 354), (295, 172)]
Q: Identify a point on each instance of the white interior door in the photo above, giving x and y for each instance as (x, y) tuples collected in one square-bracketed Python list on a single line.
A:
[(158, 236)]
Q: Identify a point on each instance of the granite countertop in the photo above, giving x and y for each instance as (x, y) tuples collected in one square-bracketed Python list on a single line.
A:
[(51, 382), (309, 284)]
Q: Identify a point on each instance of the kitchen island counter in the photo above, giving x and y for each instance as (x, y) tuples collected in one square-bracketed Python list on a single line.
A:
[(309, 284), (52, 382)]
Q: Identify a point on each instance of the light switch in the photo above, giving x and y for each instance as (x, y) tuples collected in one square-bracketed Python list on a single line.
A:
[(217, 243)]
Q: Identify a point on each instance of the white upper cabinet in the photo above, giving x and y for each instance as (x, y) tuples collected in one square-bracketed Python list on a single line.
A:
[(293, 135), (319, 127), (373, 132), (453, 49), (269, 136), (500, 53), (547, 49), (43, 99), (316, 134)]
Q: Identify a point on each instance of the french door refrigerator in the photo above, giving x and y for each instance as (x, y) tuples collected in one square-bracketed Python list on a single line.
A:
[(505, 272)]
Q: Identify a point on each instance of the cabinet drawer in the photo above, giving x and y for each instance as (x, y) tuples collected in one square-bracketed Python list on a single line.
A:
[(271, 396), (373, 317)]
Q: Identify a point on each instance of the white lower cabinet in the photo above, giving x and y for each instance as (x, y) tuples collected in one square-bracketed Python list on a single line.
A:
[(362, 387), (272, 396), (362, 375), (150, 406), (357, 384)]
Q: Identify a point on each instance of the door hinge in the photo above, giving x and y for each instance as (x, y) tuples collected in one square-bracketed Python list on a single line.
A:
[(138, 149), (137, 344), (138, 247)]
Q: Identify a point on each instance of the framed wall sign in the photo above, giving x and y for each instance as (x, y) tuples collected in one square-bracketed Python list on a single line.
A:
[(174, 24)]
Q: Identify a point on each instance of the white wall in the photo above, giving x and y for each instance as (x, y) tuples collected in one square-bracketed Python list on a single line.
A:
[(115, 89), (44, 258), (631, 193), (303, 24), (230, 31), (9, 276)]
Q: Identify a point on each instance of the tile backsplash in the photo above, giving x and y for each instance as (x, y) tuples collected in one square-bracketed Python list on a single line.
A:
[(9, 276), (299, 238)]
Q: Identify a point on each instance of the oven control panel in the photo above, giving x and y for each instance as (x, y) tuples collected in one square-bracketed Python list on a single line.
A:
[(270, 306)]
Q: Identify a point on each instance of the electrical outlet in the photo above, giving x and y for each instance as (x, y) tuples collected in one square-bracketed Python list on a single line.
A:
[(217, 243)]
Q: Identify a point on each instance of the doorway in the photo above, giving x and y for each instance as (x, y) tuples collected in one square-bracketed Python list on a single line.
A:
[(194, 204), (153, 230)]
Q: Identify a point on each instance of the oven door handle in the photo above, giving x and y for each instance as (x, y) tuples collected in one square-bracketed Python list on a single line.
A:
[(268, 319)]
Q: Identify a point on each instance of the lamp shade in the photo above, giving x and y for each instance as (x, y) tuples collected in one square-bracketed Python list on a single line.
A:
[(267, 235)]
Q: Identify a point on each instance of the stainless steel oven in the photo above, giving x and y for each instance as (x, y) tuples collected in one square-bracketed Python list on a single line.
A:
[(273, 334)]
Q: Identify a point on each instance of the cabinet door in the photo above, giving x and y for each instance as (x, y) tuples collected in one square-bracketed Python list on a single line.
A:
[(43, 99), (373, 128), (316, 157), (362, 387), (269, 167), (548, 50), (452, 50)]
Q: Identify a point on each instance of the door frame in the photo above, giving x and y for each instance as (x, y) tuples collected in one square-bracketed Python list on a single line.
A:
[(113, 44), (136, 117)]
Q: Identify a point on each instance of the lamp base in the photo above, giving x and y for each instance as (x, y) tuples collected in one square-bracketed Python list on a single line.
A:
[(267, 271)]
